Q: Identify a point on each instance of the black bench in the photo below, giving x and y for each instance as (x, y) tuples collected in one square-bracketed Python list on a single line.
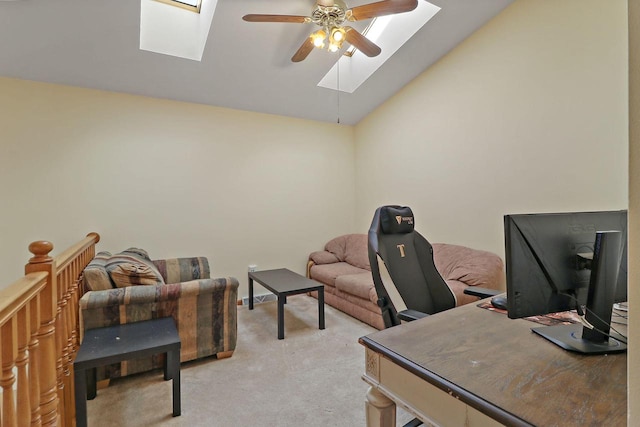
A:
[(113, 344)]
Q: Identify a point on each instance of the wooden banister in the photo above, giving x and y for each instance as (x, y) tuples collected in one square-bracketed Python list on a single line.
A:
[(39, 336)]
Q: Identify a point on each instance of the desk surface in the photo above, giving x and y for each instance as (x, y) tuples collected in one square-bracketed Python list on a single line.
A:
[(499, 367)]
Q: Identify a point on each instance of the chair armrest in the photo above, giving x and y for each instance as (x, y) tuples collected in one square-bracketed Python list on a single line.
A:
[(411, 315), (482, 292)]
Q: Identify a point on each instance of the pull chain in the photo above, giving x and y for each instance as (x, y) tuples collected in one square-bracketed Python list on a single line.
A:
[(338, 68)]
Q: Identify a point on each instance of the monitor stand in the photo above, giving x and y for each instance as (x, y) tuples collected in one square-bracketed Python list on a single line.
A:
[(570, 338), (600, 298)]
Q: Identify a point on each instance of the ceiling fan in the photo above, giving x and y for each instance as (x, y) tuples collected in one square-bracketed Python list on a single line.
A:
[(330, 15)]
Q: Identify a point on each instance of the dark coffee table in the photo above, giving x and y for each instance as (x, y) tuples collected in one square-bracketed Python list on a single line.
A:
[(112, 344), (282, 283)]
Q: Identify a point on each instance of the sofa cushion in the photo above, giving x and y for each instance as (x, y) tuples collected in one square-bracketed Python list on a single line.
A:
[(350, 248), (95, 276), (360, 285), (131, 267), (327, 273), (473, 267)]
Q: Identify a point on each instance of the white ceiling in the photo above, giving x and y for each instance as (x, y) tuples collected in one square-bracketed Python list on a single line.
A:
[(246, 66)]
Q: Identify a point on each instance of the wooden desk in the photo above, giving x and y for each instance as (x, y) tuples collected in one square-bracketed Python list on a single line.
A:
[(473, 367)]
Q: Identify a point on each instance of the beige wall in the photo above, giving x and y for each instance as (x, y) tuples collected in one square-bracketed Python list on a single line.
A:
[(177, 179), (529, 114), (634, 209)]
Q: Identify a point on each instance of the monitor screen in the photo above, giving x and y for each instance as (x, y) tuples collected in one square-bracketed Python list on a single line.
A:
[(548, 259)]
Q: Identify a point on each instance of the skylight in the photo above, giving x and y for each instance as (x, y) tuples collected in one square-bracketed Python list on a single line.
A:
[(173, 30), (390, 33), (192, 5)]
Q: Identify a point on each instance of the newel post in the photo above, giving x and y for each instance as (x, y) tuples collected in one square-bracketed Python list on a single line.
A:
[(46, 354)]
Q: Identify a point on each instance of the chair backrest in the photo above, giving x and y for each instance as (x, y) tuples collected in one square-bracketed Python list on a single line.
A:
[(402, 266)]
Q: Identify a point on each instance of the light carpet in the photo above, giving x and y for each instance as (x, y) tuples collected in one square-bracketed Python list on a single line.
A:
[(311, 378)]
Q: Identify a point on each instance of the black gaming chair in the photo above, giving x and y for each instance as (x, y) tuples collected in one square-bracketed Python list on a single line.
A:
[(405, 277)]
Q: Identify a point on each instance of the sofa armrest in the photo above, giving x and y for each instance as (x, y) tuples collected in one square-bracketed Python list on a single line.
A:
[(323, 257), (310, 264), (136, 303), (176, 270)]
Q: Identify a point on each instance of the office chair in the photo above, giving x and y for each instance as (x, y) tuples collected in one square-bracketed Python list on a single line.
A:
[(404, 274)]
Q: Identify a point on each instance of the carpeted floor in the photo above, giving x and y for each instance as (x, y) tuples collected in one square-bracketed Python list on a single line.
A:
[(311, 378)]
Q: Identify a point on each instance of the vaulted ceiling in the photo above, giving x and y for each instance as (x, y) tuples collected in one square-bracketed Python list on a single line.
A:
[(246, 66)]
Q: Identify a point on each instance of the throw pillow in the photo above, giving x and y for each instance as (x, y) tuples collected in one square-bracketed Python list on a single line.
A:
[(132, 267)]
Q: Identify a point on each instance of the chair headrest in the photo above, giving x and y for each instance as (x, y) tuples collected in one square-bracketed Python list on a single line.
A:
[(396, 219)]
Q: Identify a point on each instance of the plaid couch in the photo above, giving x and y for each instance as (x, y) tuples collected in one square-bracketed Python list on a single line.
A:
[(204, 309)]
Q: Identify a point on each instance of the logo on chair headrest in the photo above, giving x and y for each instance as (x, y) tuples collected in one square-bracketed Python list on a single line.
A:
[(396, 219), (407, 219)]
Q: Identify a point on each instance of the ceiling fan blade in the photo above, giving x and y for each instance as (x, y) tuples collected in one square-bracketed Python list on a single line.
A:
[(303, 51), (362, 43), (381, 8), (275, 18)]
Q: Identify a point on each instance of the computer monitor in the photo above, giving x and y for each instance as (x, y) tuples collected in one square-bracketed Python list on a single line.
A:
[(555, 261)]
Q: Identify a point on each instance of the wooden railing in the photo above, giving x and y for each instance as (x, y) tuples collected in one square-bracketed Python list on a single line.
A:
[(39, 337)]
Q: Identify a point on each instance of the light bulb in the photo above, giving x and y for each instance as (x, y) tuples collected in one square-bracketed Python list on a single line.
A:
[(333, 47), (318, 38), (337, 36)]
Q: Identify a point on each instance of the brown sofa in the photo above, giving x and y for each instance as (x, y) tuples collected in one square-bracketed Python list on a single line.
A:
[(343, 267)]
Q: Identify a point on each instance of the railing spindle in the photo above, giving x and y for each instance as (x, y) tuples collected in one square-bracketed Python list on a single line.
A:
[(34, 371), (9, 353), (24, 334)]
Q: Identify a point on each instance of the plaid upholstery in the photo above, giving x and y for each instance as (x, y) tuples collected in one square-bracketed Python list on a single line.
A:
[(177, 270), (132, 267), (204, 309), (95, 276)]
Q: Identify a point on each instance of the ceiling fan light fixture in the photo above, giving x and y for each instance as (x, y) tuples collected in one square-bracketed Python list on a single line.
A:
[(337, 35), (336, 38), (318, 38)]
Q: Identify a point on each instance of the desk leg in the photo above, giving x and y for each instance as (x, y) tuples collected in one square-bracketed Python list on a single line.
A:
[(173, 366), (321, 308), (281, 302), (380, 410), (80, 385), (250, 293)]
